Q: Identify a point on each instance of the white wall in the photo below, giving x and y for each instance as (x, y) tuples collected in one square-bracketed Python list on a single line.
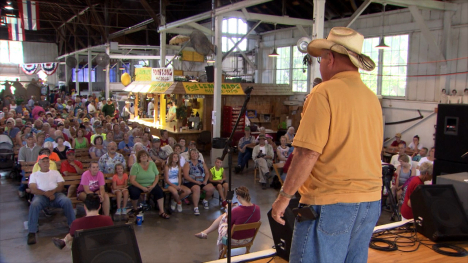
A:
[(33, 52)]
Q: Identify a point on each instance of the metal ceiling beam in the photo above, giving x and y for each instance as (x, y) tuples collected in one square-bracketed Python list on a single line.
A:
[(302, 30), (358, 12), (118, 56), (282, 20), (201, 28), (218, 11), (243, 55), (188, 31), (76, 15), (150, 11), (242, 39), (424, 4), (129, 30)]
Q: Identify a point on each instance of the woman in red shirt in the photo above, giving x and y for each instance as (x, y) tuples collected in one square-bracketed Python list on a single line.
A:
[(426, 175), (245, 213)]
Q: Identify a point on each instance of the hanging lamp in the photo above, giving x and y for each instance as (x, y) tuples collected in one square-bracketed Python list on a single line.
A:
[(382, 44), (274, 53)]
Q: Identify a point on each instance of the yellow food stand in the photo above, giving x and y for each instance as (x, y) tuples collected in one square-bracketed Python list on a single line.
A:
[(195, 97)]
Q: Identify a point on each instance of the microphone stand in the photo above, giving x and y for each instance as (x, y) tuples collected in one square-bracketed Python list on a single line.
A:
[(228, 150)]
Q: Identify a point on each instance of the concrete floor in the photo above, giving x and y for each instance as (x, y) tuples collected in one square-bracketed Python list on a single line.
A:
[(159, 240)]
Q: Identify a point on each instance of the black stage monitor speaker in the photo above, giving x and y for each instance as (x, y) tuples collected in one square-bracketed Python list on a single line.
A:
[(452, 133), (282, 235), (438, 213), (106, 244)]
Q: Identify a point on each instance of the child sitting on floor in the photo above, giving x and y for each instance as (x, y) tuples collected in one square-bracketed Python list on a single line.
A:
[(173, 178), (120, 188), (218, 179)]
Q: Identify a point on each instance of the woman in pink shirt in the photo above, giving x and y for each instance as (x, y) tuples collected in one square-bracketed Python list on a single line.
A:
[(92, 181)]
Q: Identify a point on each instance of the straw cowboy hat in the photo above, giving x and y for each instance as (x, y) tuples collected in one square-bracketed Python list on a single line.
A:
[(345, 41)]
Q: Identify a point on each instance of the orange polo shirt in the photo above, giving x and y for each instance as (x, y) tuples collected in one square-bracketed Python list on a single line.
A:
[(342, 120)]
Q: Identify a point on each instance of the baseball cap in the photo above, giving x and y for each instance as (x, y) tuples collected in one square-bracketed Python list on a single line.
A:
[(109, 99), (70, 151), (98, 126), (43, 156), (247, 128), (156, 140), (398, 135), (261, 136), (85, 120), (29, 135)]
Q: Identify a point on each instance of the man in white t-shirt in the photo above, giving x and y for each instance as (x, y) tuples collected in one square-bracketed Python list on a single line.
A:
[(263, 155), (401, 150), (91, 107), (46, 186), (429, 158)]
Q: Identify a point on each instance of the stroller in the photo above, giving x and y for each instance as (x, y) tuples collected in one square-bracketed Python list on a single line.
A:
[(7, 155)]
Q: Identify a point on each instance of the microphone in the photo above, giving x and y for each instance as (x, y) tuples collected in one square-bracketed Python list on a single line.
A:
[(248, 90)]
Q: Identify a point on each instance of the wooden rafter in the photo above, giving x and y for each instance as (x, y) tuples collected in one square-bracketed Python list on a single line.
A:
[(98, 20), (150, 11), (84, 22), (72, 31)]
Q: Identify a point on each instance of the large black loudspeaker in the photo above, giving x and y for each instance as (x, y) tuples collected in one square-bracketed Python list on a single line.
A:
[(106, 244), (282, 235), (438, 213), (451, 139)]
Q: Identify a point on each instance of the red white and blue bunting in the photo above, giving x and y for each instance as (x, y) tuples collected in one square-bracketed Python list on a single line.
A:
[(49, 68), (30, 68)]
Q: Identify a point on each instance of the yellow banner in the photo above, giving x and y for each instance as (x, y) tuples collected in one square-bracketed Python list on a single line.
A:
[(208, 88), (159, 87), (143, 74)]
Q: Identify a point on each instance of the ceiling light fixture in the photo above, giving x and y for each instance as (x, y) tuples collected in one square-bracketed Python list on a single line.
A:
[(382, 44), (8, 6), (210, 59), (274, 54)]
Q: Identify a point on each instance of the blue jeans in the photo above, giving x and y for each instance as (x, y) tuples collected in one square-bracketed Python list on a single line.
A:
[(39, 202), (341, 233), (22, 186), (244, 157)]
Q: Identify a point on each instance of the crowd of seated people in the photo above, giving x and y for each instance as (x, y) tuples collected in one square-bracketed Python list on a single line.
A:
[(52, 134)]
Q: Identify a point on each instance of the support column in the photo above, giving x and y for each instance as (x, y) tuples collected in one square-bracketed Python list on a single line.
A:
[(162, 35), (90, 68), (77, 83), (162, 110), (317, 33), (107, 87), (218, 76)]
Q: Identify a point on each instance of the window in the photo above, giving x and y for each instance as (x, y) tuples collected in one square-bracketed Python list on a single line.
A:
[(392, 79), (234, 26), (289, 63), (368, 48), (11, 52), (283, 65), (83, 75), (395, 66), (113, 74), (299, 72)]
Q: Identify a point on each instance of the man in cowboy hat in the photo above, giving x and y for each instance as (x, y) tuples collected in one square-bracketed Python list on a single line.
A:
[(336, 165)]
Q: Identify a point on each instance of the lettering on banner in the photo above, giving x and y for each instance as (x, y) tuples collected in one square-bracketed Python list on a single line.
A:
[(162, 74)]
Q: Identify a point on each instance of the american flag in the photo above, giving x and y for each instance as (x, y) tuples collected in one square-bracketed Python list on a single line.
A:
[(15, 29), (29, 13)]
